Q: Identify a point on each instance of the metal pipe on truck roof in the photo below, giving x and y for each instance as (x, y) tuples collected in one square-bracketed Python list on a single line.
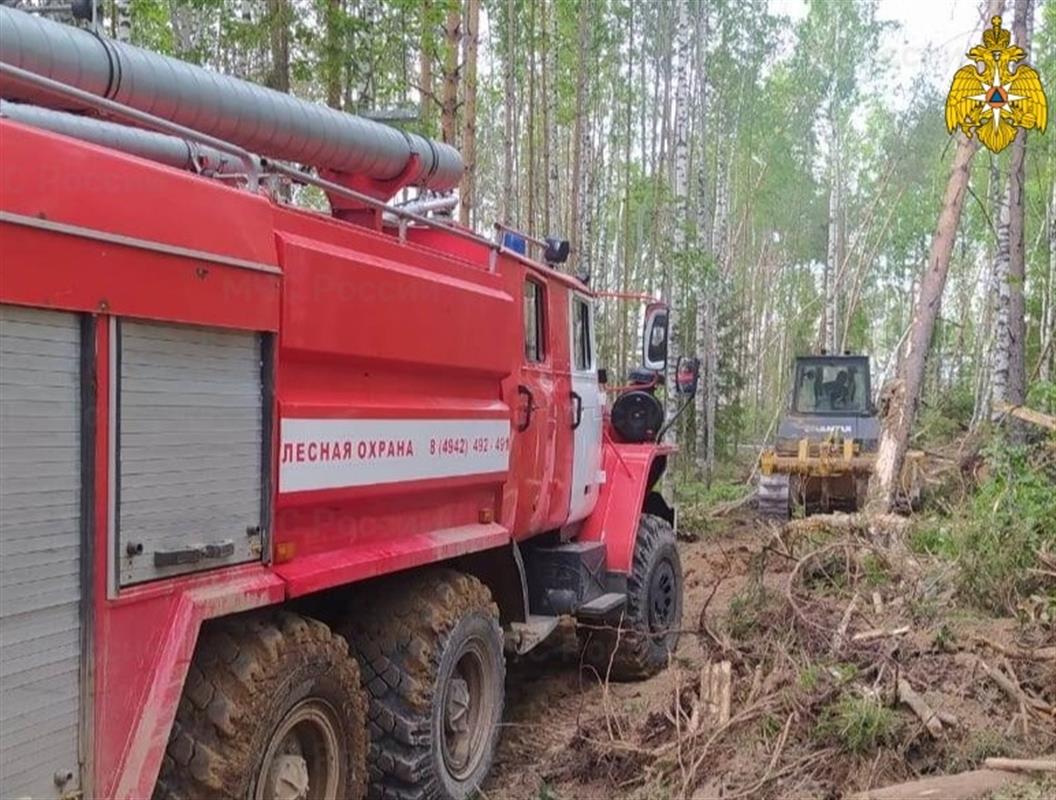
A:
[(169, 150), (262, 120)]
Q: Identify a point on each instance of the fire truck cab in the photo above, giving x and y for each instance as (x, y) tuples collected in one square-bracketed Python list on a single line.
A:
[(281, 490)]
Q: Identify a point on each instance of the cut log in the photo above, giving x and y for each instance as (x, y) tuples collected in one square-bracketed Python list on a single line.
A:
[(974, 785), (920, 707), (879, 633), (716, 690), (1022, 764)]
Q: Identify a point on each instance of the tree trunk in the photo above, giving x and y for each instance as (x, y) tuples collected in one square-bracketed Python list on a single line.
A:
[(832, 257), (508, 213), (987, 342), (901, 408), (680, 222), (279, 35), (1047, 364), (550, 84), (705, 293), (529, 221), (581, 131), (469, 115), (332, 49), (449, 100), (1017, 322), (1000, 360), (426, 87)]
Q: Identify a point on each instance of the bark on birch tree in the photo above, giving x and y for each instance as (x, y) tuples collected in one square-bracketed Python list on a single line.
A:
[(1017, 274), (680, 189)]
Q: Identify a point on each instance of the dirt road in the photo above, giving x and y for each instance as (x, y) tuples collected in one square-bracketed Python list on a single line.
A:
[(568, 736)]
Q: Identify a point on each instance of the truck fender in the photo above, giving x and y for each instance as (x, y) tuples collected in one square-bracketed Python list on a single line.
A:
[(631, 473), (501, 569), (149, 731)]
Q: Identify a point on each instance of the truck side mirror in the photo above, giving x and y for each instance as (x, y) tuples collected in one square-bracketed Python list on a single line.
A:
[(654, 337), (556, 250), (687, 376)]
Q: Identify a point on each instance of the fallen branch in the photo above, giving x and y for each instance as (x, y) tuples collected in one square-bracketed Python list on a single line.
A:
[(1026, 414), (1016, 694), (841, 631), (920, 707), (1037, 654), (879, 633), (1022, 764)]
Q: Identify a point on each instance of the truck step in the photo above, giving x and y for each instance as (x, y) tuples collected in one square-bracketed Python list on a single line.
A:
[(603, 605), (523, 636)]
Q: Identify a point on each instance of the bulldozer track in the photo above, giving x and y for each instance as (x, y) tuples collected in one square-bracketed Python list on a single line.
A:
[(773, 496)]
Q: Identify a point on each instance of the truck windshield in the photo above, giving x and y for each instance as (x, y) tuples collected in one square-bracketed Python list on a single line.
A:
[(832, 386)]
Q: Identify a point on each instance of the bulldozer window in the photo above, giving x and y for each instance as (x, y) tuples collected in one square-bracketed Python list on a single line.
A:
[(831, 388), (534, 332)]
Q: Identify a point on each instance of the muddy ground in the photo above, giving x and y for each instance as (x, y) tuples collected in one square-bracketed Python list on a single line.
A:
[(569, 735)]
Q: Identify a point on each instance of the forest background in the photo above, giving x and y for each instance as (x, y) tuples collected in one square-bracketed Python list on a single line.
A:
[(775, 169)]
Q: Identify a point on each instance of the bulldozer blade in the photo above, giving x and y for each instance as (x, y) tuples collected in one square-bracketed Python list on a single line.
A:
[(773, 495)]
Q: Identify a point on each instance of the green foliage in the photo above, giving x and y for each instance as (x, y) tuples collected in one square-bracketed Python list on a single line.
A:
[(1011, 518), (857, 723), (946, 417), (995, 536), (1042, 396), (933, 536), (692, 492)]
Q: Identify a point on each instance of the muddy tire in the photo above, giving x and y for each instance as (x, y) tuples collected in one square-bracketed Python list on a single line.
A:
[(430, 652), (272, 708), (648, 631)]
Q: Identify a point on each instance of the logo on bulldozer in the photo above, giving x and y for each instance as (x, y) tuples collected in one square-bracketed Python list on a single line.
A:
[(998, 94)]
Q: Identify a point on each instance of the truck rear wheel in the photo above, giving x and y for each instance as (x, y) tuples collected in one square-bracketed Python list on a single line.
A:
[(640, 644), (430, 649), (272, 710)]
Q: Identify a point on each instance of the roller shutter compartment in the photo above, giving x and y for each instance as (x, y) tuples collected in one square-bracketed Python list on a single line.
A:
[(40, 550), (189, 449)]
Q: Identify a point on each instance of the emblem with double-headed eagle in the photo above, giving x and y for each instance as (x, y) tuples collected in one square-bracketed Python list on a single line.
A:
[(998, 94)]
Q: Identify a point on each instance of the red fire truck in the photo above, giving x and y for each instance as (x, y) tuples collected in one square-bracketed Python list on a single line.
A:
[(279, 490)]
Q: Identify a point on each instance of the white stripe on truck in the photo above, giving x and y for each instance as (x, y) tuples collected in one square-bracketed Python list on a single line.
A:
[(339, 453)]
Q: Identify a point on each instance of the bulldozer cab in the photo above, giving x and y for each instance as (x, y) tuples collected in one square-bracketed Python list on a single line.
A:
[(832, 386)]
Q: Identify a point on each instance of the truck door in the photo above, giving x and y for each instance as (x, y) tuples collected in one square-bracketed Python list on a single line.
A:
[(587, 404), (533, 415)]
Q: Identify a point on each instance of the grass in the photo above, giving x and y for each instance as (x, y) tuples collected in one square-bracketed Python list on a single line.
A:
[(750, 610), (978, 746), (858, 723)]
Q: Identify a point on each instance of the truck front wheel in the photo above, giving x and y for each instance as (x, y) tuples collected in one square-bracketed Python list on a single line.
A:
[(639, 644), (272, 710), (430, 649)]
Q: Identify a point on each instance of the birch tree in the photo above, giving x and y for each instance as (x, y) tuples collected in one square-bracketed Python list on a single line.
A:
[(680, 190)]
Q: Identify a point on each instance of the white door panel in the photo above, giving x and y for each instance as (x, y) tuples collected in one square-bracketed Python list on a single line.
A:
[(586, 447)]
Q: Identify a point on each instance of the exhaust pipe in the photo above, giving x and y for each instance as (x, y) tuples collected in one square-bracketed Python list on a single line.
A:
[(258, 119)]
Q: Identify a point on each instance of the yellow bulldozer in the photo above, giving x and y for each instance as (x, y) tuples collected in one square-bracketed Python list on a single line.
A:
[(826, 442)]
